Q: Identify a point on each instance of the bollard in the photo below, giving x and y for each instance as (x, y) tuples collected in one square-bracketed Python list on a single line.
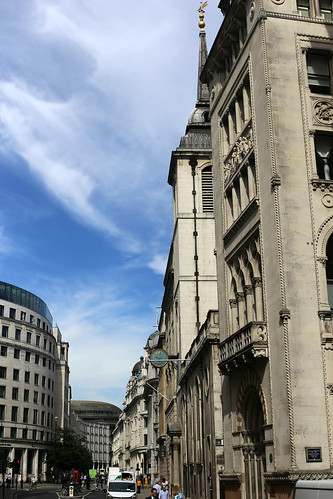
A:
[(71, 491)]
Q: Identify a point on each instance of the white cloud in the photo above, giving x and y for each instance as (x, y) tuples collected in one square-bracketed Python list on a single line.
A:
[(158, 264)]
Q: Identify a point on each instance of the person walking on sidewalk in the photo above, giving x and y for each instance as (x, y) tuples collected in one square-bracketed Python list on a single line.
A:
[(153, 494), (164, 494)]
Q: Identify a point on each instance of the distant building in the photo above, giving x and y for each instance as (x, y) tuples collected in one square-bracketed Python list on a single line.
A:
[(96, 422), (34, 379)]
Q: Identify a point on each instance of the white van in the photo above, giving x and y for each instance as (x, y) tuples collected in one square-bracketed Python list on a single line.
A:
[(121, 485), (313, 489)]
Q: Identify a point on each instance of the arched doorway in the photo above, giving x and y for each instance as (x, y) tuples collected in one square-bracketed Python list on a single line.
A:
[(253, 445)]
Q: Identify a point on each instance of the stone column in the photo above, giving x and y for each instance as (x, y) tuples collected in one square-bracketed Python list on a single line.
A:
[(235, 202), (257, 284), (246, 103), (44, 466), (249, 302), (233, 315), (250, 181), (241, 308), (244, 200), (24, 464), (231, 129), (35, 463), (238, 117)]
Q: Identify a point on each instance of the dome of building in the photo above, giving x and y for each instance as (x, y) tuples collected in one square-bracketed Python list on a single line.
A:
[(137, 367), (199, 115)]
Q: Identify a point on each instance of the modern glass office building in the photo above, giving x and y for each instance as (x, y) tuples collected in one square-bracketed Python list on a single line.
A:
[(34, 379)]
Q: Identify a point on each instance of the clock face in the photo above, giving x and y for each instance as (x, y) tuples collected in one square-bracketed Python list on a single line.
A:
[(159, 358)]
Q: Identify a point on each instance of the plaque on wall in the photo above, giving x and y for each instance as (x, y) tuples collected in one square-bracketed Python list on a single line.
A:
[(313, 454)]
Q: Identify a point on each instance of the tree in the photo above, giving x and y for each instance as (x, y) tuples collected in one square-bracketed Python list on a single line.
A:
[(68, 451)]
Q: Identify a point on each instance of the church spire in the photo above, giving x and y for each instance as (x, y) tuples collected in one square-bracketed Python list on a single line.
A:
[(202, 92)]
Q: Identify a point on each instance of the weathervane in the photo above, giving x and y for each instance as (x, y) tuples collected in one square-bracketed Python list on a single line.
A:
[(201, 15)]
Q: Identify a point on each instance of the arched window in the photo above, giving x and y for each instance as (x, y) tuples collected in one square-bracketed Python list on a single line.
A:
[(207, 190), (329, 270)]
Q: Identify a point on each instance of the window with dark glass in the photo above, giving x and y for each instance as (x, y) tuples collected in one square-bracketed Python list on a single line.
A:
[(29, 337), (325, 7), (16, 353), (13, 432), (43, 399), (25, 433), (32, 319), (5, 331), (42, 419), (49, 384), (318, 67), (15, 393), (26, 395), (2, 310), (3, 351), (36, 359), (45, 343), (3, 372), (14, 413), (2, 392), (12, 313), (2, 412), (23, 316), (36, 379), (27, 356), (303, 8), (25, 415), (43, 380), (324, 156), (44, 362), (27, 376), (18, 334), (37, 340), (35, 417), (35, 397), (38, 323), (16, 374)]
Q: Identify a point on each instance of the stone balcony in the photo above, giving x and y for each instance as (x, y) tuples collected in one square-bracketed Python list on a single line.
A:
[(243, 347)]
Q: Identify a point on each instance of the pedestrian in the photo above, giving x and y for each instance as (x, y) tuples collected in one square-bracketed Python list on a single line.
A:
[(9, 480), (164, 494), (138, 485), (153, 494), (176, 494), (157, 486)]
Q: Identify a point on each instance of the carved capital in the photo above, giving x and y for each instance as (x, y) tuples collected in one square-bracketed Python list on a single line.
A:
[(275, 180), (257, 282), (285, 315)]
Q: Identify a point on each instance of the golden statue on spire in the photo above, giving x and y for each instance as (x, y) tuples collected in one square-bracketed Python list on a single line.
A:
[(201, 15)]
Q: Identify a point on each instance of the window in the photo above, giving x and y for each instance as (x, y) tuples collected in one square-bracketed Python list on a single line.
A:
[(16, 374), (324, 156), (29, 337), (3, 351), (12, 313), (26, 395), (2, 392), (329, 270), (48, 401), (5, 331), (27, 376), (44, 362), (36, 359), (38, 323), (16, 353), (23, 316), (303, 8), (35, 397), (13, 432), (18, 334), (25, 433), (43, 381), (32, 319), (42, 419), (2, 310), (2, 412), (43, 399), (3, 372), (27, 356), (325, 7), (14, 413), (15, 393), (49, 364), (25, 415), (45, 343), (318, 67), (36, 379), (49, 384), (35, 418), (37, 340), (34, 434)]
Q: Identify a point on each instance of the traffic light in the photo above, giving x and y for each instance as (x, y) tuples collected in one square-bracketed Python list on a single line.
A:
[(16, 466)]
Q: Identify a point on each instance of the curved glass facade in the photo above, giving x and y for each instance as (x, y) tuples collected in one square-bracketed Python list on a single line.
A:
[(22, 297)]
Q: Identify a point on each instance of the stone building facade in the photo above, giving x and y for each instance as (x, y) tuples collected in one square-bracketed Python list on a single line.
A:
[(34, 379), (271, 101)]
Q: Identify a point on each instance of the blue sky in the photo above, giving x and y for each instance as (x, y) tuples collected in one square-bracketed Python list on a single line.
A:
[(94, 96)]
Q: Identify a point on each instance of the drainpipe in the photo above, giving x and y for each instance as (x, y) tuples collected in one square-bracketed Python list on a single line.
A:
[(193, 163)]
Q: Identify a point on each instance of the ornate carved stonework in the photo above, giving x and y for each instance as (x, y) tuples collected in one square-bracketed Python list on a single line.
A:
[(323, 112), (238, 153)]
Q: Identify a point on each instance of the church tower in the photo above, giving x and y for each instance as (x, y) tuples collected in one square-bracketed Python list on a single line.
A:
[(190, 278)]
